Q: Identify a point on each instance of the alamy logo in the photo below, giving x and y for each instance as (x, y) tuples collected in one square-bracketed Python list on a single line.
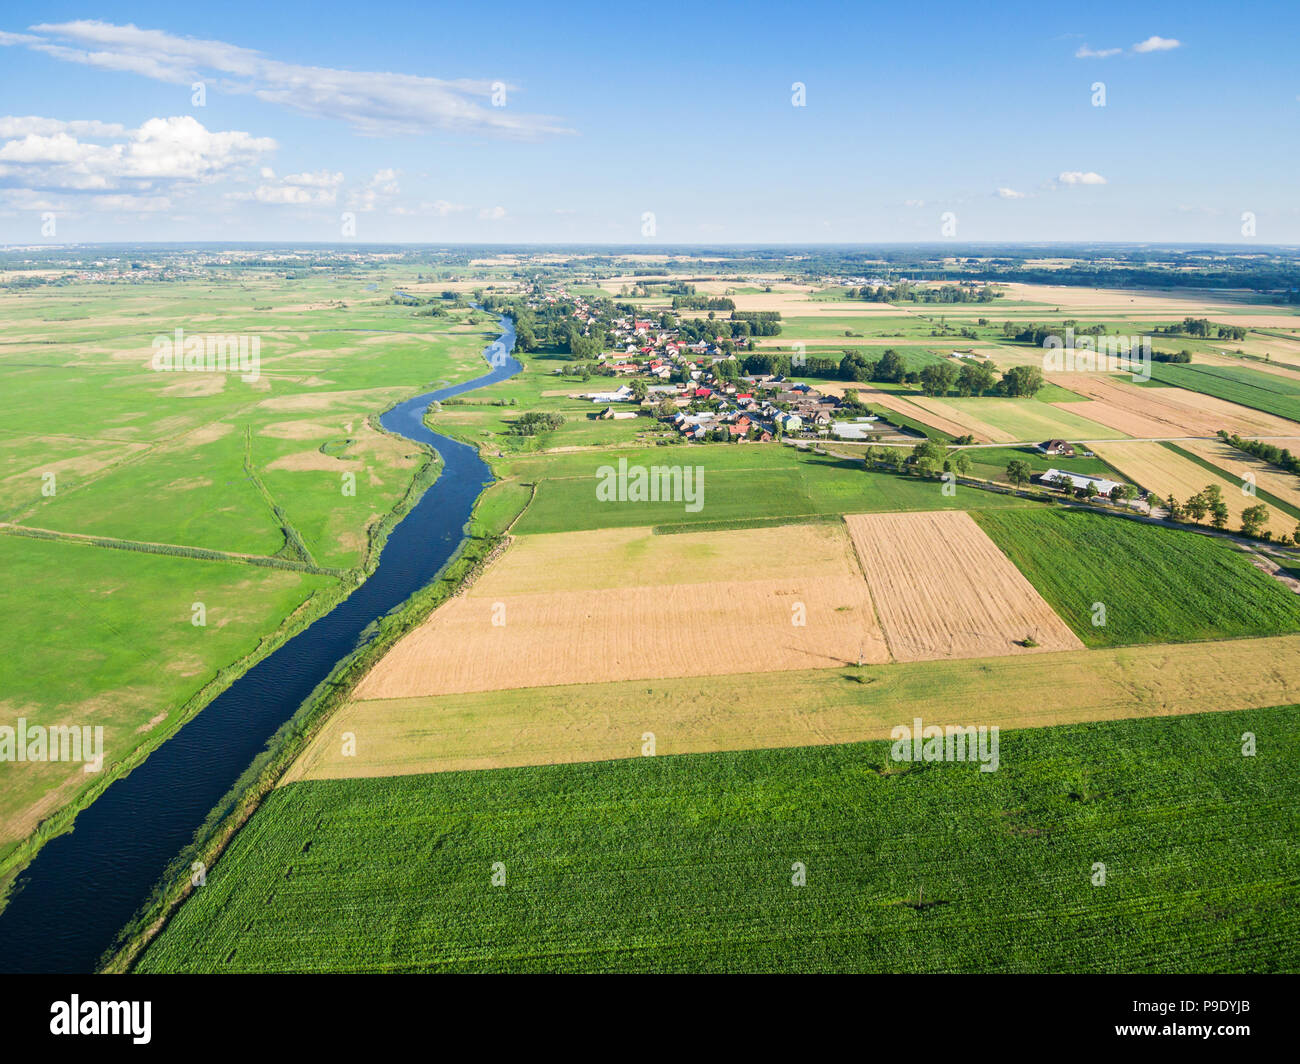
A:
[(208, 354), (1093, 354), (102, 1017), (56, 743), (952, 743), (656, 484)]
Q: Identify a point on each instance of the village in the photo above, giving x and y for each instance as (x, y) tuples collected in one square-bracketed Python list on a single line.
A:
[(698, 391), (698, 388)]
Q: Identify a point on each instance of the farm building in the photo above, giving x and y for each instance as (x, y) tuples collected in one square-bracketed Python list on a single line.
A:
[(1100, 484), (858, 429), (623, 394), (1058, 447)]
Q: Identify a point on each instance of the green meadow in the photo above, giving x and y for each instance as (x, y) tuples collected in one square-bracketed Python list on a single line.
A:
[(689, 863), (110, 640), (1158, 585), (289, 468), (990, 463), (1270, 392), (740, 482)]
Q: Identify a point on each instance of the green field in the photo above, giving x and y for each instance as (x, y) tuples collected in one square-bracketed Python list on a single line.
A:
[(991, 462), (1270, 392), (741, 481), (685, 863), (95, 442), (1158, 585), (109, 642)]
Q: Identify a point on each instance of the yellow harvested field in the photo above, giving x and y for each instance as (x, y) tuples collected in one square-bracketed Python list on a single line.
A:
[(901, 405), (1152, 304), (590, 607), (809, 708), (1237, 464), (1158, 469), (942, 589), (1156, 413)]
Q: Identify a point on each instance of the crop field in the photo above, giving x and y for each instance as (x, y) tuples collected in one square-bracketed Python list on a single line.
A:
[(738, 711), (1160, 468), (1075, 301), (657, 864), (1270, 392), (741, 482), (1237, 464), (252, 466), (1155, 584), (943, 590), (997, 420), (1155, 413), (598, 606)]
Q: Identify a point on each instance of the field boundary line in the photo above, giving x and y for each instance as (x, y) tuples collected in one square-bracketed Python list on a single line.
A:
[(174, 549), (292, 538)]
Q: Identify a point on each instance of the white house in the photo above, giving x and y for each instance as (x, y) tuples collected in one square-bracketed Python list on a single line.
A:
[(623, 394), (1100, 484)]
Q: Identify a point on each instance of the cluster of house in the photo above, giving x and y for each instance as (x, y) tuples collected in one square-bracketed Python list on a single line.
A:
[(755, 407), (706, 398)]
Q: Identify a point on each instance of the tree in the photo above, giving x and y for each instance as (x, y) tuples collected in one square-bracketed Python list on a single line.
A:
[(1019, 472), (1123, 493), (1197, 507), (958, 462), (1254, 518), (928, 457), (1022, 382), (1063, 484), (639, 389), (1175, 510), (937, 379), (890, 368), (1218, 509), (976, 378)]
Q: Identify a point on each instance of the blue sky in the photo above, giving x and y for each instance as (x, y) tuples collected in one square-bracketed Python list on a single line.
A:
[(387, 113)]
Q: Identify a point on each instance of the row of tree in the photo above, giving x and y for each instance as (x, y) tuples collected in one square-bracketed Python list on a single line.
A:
[(907, 292), (1267, 452)]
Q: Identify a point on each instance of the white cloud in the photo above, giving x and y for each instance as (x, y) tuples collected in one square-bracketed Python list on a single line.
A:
[(372, 102), (1080, 177), (14, 126), (1085, 52), (133, 204), (438, 208), (45, 154), (1010, 193), (315, 179), (380, 189), (1157, 44), (914, 203), (313, 188), (492, 214)]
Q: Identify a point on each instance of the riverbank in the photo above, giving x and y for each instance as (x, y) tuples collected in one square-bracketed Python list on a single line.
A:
[(479, 544), (182, 797)]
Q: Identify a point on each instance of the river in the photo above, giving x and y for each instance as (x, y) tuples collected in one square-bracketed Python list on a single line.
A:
[(84, 886)]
